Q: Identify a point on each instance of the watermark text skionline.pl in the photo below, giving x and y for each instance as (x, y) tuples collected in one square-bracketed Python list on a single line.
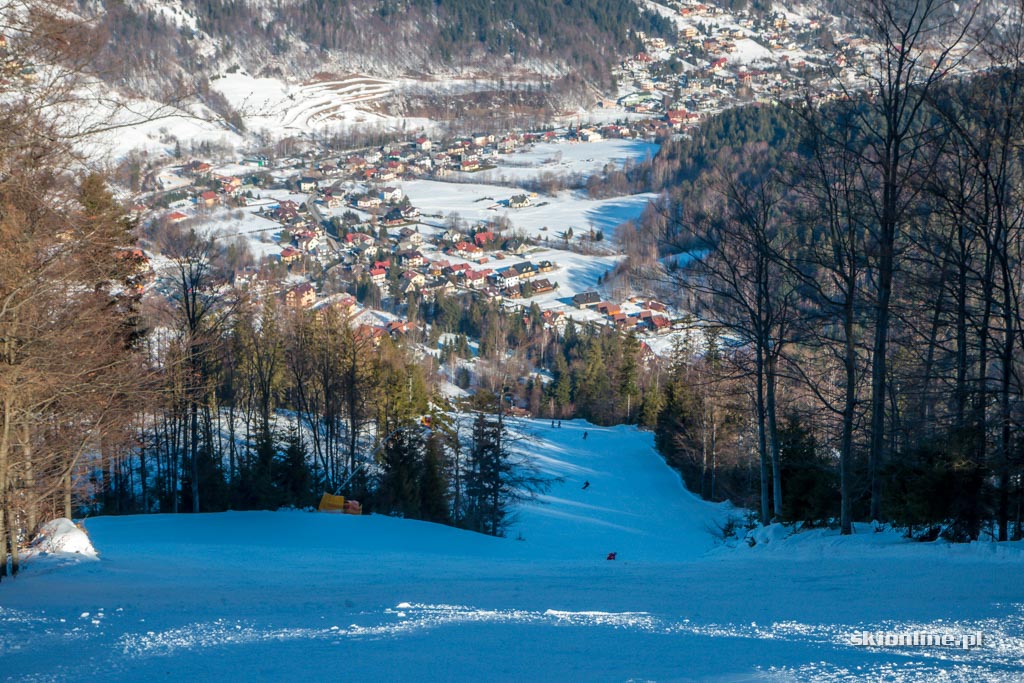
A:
[(964, 641)]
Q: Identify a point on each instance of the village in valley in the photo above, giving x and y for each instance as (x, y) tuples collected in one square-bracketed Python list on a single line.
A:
[(502, 216), (374, 233)]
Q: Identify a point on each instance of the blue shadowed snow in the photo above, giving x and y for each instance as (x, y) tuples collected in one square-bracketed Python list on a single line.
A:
[(295, 595)]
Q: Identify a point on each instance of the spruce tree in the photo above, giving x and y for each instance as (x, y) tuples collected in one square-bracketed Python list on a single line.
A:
[(487, 477), (433, 485), (402, 465)]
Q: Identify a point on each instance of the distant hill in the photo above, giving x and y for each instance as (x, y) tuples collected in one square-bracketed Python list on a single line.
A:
[(184, 38)]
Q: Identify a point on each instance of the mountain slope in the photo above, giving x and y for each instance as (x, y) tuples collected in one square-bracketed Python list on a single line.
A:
[(381, 37)]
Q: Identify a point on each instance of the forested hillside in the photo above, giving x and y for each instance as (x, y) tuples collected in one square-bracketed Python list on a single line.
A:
[(861, 259), (585, 37)]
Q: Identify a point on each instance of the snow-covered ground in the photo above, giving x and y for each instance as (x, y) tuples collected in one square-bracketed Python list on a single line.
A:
[(564, 159), (298, 595), (108, 124), (547, 216), (229, 225)]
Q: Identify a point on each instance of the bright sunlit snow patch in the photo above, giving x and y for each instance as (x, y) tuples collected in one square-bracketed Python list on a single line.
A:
[(61, 538)]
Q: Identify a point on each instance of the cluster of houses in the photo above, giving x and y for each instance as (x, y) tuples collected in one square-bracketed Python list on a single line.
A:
[(305, 234), (201, 186), (372, 170), (382, 243), (396, 261), (646, 316), (422, 157), (413, 158), (411, 272), (346, 308), (714, 78)]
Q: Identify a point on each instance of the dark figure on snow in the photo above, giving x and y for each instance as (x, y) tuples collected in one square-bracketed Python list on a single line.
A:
[(586, 485), (584, 436), (552, 423), (559, 424)]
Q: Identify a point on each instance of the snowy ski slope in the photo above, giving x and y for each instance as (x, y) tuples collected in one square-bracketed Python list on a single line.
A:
[(295, 595)]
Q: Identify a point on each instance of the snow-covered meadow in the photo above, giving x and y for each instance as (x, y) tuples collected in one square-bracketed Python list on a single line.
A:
[(547, 216), (297, 595)]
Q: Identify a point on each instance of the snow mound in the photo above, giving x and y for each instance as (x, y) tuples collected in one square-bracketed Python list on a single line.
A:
[(60, 537)]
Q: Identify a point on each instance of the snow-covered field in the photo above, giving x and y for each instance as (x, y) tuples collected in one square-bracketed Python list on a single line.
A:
[(546, 217), (230, 225), (559, 158), (298, 595)]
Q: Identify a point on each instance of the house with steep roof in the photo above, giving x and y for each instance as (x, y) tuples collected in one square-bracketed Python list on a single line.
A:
[(301, 296)]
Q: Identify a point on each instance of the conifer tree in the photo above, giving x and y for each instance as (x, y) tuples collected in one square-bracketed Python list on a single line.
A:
[(402, 464)]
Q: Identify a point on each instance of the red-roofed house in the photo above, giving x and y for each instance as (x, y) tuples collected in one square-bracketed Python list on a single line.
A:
[(358, 238), (466, 250), (477, 278), (400, 327), (373, 335)]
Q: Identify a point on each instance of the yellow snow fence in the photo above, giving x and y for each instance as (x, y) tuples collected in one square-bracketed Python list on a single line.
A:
[(332, 503)]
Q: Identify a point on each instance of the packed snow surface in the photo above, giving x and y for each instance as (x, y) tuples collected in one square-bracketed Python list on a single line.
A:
[(301, 596)]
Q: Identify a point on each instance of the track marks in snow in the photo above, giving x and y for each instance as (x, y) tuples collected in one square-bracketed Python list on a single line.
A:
[(1000, 659), (1003, 651)]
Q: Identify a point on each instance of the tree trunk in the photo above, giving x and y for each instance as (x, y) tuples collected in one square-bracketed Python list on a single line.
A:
[(926, 413), (879, 371), (704, 451), (773, 436), (762, 446), (143, 476), (177, 423), (194, 452), (714, 457), (31, 500), (6, 504), (232, 448), (3, 536), (12, 543), (961, 392), (1006, 416), (67, 493)]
